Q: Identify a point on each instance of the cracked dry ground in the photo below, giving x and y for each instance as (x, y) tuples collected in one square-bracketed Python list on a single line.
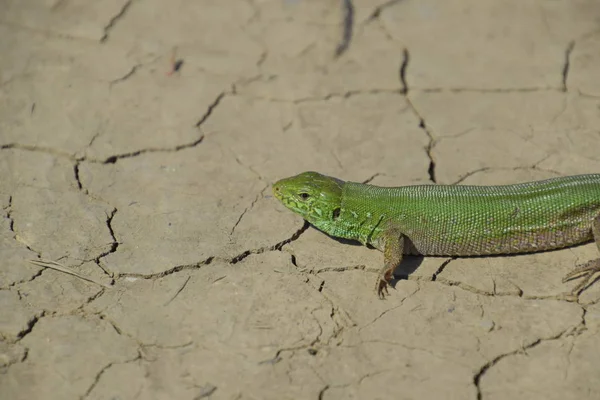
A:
[(156, 185)]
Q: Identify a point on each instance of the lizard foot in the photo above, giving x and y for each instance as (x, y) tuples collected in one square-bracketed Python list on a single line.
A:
[(382, 288), (383, 282), (586, 271)]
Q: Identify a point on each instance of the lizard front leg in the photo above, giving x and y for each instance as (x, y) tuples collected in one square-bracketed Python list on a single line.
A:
[(393, 248), (588, 270)]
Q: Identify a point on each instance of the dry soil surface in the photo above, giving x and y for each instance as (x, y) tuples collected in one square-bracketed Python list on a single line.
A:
[(138, 143)]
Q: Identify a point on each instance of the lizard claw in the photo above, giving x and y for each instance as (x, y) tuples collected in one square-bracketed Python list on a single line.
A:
[(586, 271), (382, 285), (382, 288)]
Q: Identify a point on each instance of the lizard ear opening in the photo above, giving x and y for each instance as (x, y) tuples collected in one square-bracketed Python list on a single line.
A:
[(336, 214)]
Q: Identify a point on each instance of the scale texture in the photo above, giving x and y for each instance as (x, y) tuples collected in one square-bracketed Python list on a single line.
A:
[(475, 220)]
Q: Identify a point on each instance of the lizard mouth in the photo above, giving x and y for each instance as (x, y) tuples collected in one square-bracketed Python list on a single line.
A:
[(277, 192), (285, 199), (279, 195)]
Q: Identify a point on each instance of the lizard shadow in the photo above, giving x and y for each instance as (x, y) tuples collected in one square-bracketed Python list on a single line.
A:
[(409, 264)]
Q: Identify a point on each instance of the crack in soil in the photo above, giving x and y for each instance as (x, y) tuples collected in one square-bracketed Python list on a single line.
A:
[(39, 149), (569, 298), (379, 9), (114, 20), (11, 220), (430, 144), (422, 124), (11, 227), (129, 74), (76, 173), (567, 65), (178, 291), (276, 246), (348, 28), (369, 179), (402, 71), (114, 158), (249, 208), (103, 370), (113, 246), (168, 272), (30, 325), (486, 367), (210, 109), (441, 268), (321, 395)]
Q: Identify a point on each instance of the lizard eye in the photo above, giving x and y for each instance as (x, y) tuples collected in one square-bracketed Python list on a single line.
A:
[(304, 196)]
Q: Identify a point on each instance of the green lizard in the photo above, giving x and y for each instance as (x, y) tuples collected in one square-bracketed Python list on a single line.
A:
[(452, 220)]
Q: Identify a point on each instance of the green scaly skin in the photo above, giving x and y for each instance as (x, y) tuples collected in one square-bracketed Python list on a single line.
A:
[(452, 220)]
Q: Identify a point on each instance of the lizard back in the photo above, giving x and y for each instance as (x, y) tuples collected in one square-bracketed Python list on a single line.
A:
[(473, 220)]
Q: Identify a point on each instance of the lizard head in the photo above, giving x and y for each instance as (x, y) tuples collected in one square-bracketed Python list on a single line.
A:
[(315, 197)]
